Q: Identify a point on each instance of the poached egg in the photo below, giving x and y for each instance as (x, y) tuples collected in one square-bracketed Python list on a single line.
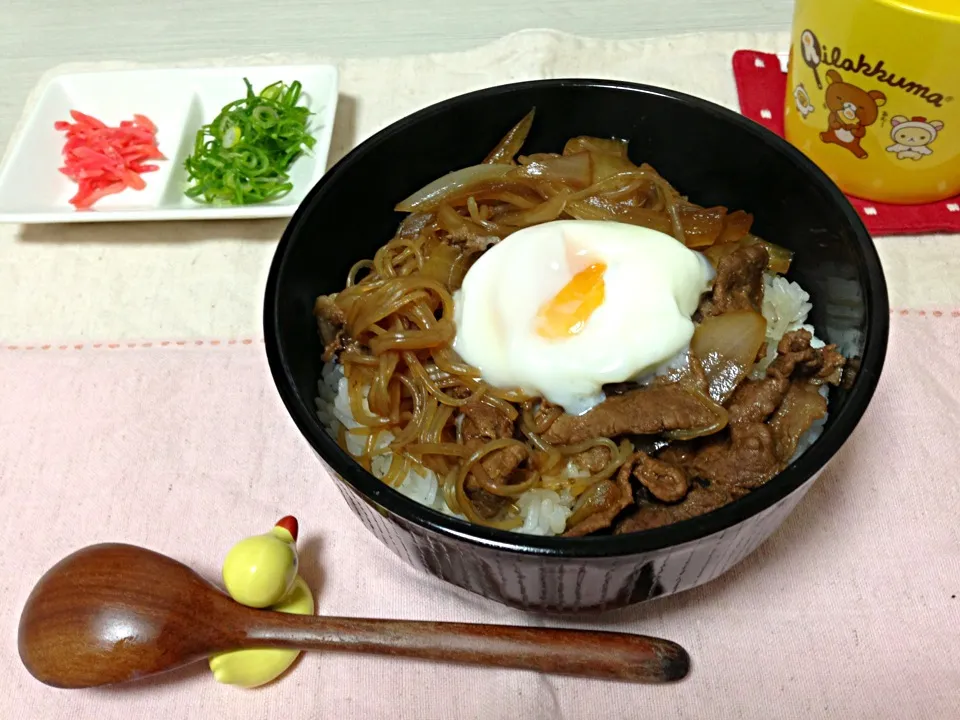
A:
[(563, 308)]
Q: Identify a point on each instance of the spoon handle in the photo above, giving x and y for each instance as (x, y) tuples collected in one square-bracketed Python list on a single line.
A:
[(585, 653)]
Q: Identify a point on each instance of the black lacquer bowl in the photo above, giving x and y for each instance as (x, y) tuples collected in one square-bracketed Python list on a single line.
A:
[(711, 154)]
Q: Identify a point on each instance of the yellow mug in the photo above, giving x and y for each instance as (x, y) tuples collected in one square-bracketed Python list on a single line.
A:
[(871, 95)]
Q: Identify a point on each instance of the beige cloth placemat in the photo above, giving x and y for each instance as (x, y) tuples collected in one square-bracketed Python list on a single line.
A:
[(851, 611), (205, 279)]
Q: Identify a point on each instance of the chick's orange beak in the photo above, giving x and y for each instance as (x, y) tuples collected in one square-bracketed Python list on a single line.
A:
[(290, 524)]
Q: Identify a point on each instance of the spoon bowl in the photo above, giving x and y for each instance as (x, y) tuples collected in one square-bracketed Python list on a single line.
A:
[(109, 614)]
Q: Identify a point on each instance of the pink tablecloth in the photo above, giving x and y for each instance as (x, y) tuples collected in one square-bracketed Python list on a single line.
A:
[(850, 611)]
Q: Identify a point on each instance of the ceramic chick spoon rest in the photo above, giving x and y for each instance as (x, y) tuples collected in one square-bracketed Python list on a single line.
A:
[(114, 613), (261, 572)]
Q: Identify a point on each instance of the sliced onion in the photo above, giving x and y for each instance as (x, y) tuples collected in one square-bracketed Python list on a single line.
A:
[(705, 227), (591, 209), (597, 208), (508, 147), (537, 157), (544, 212), (457, 182), (614, 183), (609, 156), (414, 224), (639, 193), (727, 346), (736, 225), (572, 170), (701, 226), (605, 166), (511, 196), (605, 146)]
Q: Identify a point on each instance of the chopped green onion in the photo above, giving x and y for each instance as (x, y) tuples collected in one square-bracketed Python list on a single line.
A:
[(244, 155), (231, 136), (264, 117)]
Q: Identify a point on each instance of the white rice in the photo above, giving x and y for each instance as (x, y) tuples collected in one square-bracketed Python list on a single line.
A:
[(544, 512), (785, 306)]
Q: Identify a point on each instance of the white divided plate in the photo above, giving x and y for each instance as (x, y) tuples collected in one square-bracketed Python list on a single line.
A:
[(179, 102)]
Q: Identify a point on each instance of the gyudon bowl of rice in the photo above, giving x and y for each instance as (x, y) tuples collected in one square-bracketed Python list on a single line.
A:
[(575, 344)]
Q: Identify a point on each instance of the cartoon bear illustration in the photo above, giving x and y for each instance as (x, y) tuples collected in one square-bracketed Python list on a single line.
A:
[(800, 96), (912, 138), (852, 110)]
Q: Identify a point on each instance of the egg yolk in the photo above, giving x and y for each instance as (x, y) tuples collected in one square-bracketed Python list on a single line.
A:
[(567, 312)]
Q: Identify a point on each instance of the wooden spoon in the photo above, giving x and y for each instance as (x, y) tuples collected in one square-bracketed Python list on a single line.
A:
[(113, 613)]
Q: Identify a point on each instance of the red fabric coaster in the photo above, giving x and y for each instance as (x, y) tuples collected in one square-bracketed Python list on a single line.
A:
[(762, 88)]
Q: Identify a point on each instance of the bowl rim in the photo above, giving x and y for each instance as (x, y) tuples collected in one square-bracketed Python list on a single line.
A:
[(805, 468)]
